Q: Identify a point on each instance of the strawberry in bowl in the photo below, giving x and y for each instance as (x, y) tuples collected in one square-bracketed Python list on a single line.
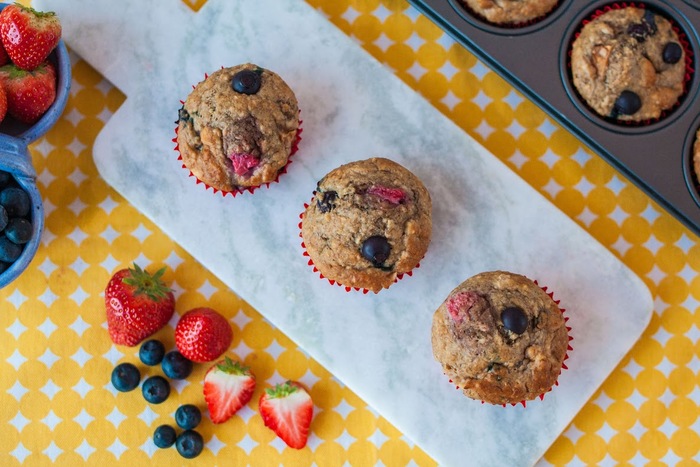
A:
[(31, 102)]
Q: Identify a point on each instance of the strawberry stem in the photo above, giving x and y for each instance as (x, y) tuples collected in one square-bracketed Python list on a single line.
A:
[(146, 284), (282, 390)]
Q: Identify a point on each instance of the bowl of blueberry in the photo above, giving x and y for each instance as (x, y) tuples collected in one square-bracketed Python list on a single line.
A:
[(35, 78)]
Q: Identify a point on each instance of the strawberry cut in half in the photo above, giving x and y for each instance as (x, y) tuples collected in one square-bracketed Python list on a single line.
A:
[(28, 35), (228, 386), (137, 305), (287, 409)]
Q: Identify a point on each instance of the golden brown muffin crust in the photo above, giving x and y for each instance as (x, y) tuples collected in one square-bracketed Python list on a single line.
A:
[(622, 51), (217, 123), (486, 359), (357, 201)]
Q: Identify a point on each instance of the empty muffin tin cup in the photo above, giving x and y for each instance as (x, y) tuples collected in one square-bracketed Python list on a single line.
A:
[(15, 138)]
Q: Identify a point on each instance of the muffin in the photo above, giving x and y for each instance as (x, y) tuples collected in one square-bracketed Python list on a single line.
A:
[(238, 127), (369, 222), (510, 12), (628, 64), (500, 338)]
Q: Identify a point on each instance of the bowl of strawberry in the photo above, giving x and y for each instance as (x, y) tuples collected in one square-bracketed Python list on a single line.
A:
[(35, 78)]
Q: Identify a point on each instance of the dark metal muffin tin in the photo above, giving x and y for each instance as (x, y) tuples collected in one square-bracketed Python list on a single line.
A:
[(533, 58)]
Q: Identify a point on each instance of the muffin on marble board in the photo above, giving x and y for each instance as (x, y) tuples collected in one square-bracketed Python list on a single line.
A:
[(500, 338), (237, 128), (510, 12), (629, 64), (369, 223)]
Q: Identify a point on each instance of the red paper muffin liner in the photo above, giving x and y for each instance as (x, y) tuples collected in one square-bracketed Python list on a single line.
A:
[(310, 261), (682, 38), (522, 24), (563, 364), (250, 189)]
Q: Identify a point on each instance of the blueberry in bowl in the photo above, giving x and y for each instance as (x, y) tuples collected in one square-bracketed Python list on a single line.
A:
[(21, 222)]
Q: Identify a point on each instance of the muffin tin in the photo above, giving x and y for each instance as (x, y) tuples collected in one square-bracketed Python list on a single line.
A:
[(657, 157)]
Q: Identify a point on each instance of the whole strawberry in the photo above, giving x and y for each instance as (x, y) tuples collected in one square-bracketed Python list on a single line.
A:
[(228, 386), (137, 305), (28, 35), (29, 93), (287, 409), (202, 335)]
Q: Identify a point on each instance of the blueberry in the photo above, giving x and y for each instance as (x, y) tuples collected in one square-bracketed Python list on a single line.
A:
[(5, 179), (19, 230), (189, 444), (326, 200), (176, 366), (125, 377), (4, 218), (247, 81), (627, 103), (16, 201), (151, 352), (672, 53), (155, 389), (514, 319), (164, 436), (376, 249), (188, 416), (9, 251)]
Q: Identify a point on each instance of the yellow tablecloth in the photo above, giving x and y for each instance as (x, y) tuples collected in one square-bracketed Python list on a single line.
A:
[(56, 402)]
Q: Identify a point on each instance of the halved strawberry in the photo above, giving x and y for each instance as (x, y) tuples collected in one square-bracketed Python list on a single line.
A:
[(228, 386), (287, 410), (28, 35), (137, 305)]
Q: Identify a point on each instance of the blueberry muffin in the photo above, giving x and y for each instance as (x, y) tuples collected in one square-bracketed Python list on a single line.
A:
[(500, 338), (628, 64), (510, 12), (237, 128), (368, 223)]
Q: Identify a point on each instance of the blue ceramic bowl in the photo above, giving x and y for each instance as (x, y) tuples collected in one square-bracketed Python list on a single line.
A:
[(15, 158)]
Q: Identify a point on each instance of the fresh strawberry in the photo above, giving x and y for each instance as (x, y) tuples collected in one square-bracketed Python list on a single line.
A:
[(29, 93), (138, 304), (4, 58), (28, 35), (202, 335), (287, 410), (228, 386)]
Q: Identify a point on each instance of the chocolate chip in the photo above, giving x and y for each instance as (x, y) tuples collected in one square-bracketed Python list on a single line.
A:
[(514, 319), (672, 52), (640, 31), (326, 200), (183, 115), (627, 103)]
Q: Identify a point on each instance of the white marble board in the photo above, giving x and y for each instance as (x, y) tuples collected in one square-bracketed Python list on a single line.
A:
[(485, 216)]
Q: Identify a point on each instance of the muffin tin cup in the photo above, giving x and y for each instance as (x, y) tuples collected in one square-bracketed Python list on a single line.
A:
[(534, 60), (15, 138)]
